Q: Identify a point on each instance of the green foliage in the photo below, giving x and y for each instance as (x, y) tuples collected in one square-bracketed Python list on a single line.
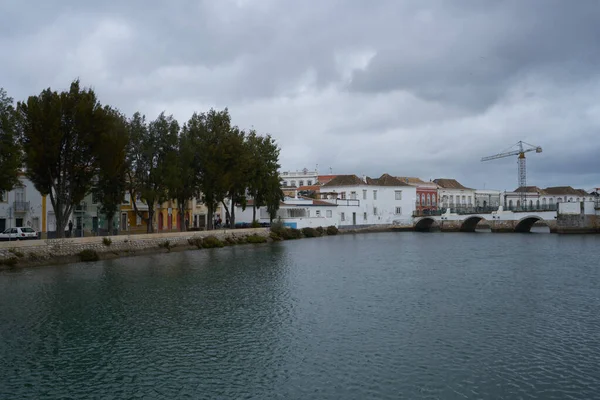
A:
[(211, 242), (10, 155), (256, 239), (9, 262), (255, 224), (320, 230), (16, 253), (290, 233), (229, 241), (310, 232), (195, 242), (111, 185), (332, 230), (275, 236), (61, 135), (107, 241), (88, 255), (166, 245), (151, 151), (277, 226)]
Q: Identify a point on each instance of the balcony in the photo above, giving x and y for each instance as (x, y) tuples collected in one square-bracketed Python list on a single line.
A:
[(346, 202), (20, 207)]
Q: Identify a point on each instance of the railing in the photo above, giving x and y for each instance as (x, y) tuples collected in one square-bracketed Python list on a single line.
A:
[(547, 207), (20, 206), (346, 202)]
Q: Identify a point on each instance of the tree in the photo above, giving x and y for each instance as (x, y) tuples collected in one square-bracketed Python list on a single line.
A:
[(263, 180), (183, 173), (111, 180), (150, 149), (59, 135), (235, 160), (209, 131), (10, 154)]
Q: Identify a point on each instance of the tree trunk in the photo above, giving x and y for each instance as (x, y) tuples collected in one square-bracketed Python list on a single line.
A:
[(226, 211), (232, 216), (253, 211), (209, 219), (181, 207), (150, 223), (109, 223)]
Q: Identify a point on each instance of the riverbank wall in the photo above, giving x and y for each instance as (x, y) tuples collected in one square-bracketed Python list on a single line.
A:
[(60, 251)]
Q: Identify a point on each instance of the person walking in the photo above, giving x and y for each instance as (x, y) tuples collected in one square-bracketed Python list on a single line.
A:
[(70, 228)]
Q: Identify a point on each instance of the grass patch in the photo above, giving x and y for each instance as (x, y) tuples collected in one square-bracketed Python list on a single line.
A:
[(107, 241), (255, 224), (88, 255), (275, 237), (211, 242), (256, 239)]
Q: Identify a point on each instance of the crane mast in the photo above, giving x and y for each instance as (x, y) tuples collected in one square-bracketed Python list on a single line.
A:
[(522, 177)]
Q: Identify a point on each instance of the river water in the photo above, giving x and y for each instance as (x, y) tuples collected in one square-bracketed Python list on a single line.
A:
[(375, 316)]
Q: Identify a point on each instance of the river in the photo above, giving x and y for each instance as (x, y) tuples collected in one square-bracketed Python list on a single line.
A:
[(373, 316)]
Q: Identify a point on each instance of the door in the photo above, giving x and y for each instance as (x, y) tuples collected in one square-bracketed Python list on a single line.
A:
[(95, 224), (160, 221), (2, 224), (124, 221), (19, 222), (353, 218)]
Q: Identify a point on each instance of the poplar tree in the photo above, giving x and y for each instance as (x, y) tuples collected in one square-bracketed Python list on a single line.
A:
[(10, 153)]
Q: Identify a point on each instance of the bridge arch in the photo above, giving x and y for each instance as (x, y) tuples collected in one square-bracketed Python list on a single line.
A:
[(427, 224), (525, 224), (469, 224)]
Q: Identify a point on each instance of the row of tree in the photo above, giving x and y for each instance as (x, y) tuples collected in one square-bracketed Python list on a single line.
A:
[(69, 145)]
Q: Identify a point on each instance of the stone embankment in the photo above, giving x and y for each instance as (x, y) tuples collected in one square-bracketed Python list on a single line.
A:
[(58, 251)]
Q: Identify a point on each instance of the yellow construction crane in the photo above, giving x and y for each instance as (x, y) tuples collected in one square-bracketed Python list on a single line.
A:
[(522, 148)]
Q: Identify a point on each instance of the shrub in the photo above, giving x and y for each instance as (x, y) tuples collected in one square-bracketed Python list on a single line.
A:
[(88, 255), (256, 239), (278, 227), (165, 245), (291, 233), (9, 262), (332, 230), (241, 240), (275, 237), (195, 242), (320, 230), (229, 241), (211, 242), (255, 224), (310, 232), (17, 253), (107, 241)]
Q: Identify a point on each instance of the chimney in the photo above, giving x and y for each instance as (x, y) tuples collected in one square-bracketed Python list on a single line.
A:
[(364, 178)]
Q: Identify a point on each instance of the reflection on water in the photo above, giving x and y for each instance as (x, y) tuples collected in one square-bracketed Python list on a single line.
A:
[(378, 316)]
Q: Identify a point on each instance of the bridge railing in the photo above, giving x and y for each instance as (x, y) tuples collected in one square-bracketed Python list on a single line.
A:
[(547, 207)]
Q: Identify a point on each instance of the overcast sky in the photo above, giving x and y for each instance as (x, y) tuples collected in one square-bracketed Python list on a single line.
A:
[(421, 88)]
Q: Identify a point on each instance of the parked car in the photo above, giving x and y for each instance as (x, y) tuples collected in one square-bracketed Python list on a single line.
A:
[(19, 233)]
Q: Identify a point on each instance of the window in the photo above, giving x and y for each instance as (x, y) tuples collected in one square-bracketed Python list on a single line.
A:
[(343, 216), (307, 213), (364, 194), (451, 199), (464, 200), (328, 213), (138, 220), (544, 201), (318, 212), (284, 183), (428, 199), (301, 183), (374, 194), (293, 184), (398, 210), (309, 183), (353, 195), (433, 200), (374, 210), (3, 197), (126, 199), (398, 194), (469, 200), (364, 216), (343, 195)]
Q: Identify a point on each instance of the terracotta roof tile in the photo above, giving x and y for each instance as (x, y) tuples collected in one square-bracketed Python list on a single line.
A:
[(345, 180), (386, 180), (450, 184)]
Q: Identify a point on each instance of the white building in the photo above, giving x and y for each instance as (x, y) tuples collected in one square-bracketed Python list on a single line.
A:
[(305, 177), (488, 198), (367, 201), (548, 198), (293, 212), (453, 195), (22, 207)]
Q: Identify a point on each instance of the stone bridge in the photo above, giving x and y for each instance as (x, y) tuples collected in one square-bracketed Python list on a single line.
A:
[(498, 221)]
